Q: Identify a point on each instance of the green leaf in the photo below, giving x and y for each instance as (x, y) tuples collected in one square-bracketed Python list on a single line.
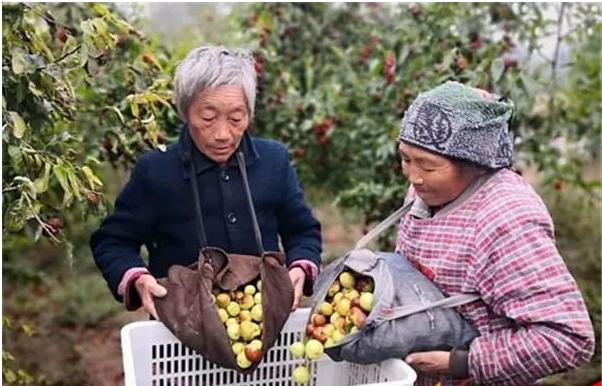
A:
[(41, 184), (19, 125), (73, 182), (92, 178), (497, 69), (61, 175)]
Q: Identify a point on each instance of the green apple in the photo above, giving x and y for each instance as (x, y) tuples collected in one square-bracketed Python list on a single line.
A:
[(233, 309), (237, 347), (344, 306), (242, 361), (250, 289), (301, 375), (233, 330), (347, 280), (223, 299), (258, 285), (249, 330), (337, 336), (326, 308), (313, 349), (257, 313), (367, 301), (257, 298), (223, 315), (334, 288), (247, 302), (297, 349)]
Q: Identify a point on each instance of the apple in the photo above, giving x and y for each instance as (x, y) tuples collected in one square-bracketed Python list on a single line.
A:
[(257, 313), (339, 324), (223, 299), (223, 315), (233, 309), (238, 296), (313, 349), (301, 375), (230, 321), (334, 316), (351, 294), (309, 329), (250, 289), (343, 307), (244, 315), (242, 361), (337, 336), (319, 334), (249, 330), (347, 280), (357, 316), (318, 320), (237, 347), (253, 353), (256, 343), (326, 309), (297, 350), (337, 298), (258, 285), (257, 298), (329, 343), (367, 301), (233, 330), (365, 284), (247, 302), (328, 329), (334, 288)]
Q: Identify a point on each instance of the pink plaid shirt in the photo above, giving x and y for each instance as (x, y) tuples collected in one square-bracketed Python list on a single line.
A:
[(498, 240)]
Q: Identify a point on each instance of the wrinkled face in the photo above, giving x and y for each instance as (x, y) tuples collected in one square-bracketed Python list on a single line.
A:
[(436, 179), (217, 119)]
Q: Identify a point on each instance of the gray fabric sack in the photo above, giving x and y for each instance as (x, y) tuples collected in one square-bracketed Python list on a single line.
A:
[(410, 313)]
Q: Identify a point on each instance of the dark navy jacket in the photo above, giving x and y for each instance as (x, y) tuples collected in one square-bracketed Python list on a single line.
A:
[(156, 209)]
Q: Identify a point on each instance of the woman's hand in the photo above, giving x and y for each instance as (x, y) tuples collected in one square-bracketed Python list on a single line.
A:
[(298, 279), (429, 361), (147, 287)]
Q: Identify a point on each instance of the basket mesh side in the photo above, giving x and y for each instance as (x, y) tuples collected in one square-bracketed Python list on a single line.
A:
[(361, 374), (175, 365)]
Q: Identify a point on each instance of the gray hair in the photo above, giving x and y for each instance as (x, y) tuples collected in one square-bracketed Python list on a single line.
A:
[(211, 67)]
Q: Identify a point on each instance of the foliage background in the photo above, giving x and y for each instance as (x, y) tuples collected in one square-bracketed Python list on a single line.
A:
[(87, 87)]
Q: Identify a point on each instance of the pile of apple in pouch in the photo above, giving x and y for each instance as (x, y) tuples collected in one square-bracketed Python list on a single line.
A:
[(229, 308), (408, 312)]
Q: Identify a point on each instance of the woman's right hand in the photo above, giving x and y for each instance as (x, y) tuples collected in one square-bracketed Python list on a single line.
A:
[(147, 287)]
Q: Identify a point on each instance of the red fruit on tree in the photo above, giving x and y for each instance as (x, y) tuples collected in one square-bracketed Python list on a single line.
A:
[(107, 144), (61, 35), (298, 153), (558, 184), (510, 62), (461, 62), (93, 198), (148, 58)]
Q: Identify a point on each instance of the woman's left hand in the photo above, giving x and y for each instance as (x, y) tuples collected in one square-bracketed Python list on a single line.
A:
[(429, 361), (297, 278)]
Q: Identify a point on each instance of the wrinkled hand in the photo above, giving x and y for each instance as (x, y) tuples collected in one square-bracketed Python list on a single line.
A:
[(147, 287), (429, 361), (298, 279)]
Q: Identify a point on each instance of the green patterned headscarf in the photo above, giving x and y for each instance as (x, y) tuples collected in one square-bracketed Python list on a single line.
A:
[(458, 121)]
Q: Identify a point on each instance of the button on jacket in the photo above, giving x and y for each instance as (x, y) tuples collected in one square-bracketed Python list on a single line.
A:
[(156, 209)]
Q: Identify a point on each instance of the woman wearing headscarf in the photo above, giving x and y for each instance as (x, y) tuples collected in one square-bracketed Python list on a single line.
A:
[(477, 227), (215, 97)]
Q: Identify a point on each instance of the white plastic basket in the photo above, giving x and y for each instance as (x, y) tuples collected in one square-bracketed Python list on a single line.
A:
[(153, 356)]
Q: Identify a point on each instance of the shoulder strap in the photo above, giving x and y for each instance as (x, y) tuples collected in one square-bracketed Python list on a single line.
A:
[(243, 172), (450, 302), (392, 219)]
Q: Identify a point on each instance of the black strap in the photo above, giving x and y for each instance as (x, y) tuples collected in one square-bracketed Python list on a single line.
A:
[(200, 228), (202, 236), (243, 172)]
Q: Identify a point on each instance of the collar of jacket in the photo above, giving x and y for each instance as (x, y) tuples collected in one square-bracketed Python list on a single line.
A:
[(189, 152)]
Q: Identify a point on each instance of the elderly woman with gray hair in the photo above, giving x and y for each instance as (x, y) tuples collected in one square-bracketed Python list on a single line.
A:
[(477, 227), (215, 97)]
